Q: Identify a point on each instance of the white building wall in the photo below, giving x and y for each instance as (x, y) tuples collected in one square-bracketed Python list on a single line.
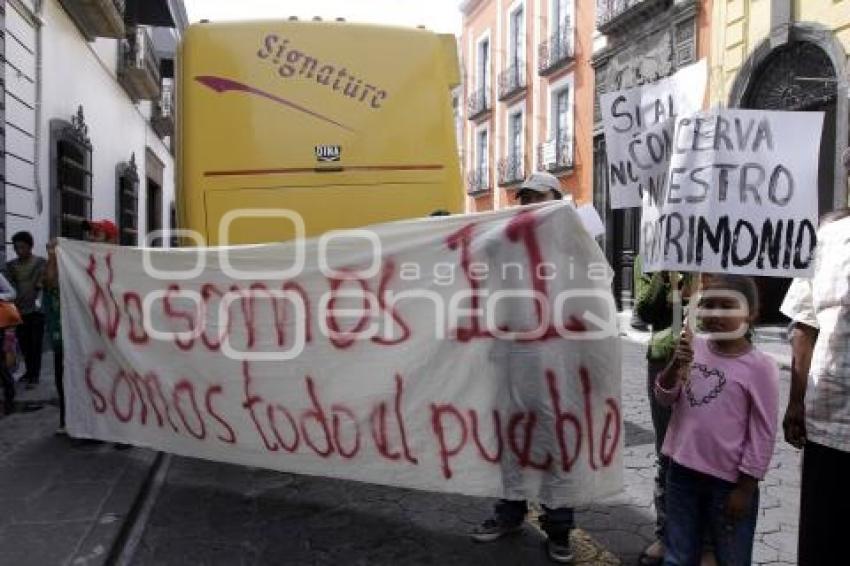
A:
[(20, 126), (76, 73)]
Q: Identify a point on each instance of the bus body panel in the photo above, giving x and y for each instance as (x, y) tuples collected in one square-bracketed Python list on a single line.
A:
[(345, 124)]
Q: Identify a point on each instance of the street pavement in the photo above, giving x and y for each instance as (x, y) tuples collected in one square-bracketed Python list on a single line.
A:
[(62, 502)]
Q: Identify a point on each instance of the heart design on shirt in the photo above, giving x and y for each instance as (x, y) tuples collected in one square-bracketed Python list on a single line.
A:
[(704, 385)]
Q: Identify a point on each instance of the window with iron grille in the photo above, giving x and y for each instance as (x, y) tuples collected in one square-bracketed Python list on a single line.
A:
[(484, 65), (71, 196), (481, 157), (517, 52), (516, 135), (127, 203), (685, 48), (562, 110), (560, 15), (511, 169)]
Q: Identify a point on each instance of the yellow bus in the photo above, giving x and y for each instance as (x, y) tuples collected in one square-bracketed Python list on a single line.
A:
[(344, 124)]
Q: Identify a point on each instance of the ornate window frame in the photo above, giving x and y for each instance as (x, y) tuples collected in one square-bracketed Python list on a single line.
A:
[(127, 202), (71, 175)]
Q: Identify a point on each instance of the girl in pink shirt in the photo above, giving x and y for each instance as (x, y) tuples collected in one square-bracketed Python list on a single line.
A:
[(724, 394)]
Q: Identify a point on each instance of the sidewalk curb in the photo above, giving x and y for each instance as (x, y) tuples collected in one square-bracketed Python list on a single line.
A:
[(106, 539), (134, 526)]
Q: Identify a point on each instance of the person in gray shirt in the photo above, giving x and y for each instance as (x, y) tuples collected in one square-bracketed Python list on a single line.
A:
[(26, 274)]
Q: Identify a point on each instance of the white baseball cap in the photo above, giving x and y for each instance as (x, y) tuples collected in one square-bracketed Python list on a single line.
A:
[(541, 182)]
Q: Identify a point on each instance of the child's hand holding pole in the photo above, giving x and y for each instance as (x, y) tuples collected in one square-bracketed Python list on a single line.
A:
[(684, 354), (680, 364)]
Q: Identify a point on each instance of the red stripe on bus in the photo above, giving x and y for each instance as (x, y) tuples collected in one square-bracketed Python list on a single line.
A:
[(330, 169)]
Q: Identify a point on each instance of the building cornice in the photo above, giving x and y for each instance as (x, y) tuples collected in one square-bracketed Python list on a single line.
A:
[(467, 6)]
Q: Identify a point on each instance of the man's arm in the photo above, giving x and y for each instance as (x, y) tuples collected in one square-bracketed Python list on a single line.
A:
[(803, 338), (51, 272), (799, 306)]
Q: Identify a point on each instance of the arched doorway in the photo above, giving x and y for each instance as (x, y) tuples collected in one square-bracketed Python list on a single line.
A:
[(800, 76)]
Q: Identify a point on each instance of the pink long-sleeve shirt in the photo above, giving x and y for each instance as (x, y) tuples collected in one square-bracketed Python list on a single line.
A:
[(724, 417)]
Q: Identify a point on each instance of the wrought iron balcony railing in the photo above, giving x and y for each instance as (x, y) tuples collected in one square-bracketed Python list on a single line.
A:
[(478, 103), (512, 80), (478, 181), (614, 15), (556, 154), (97, 18), (557, 50), (162, 116), (138, 66), (511, 170)]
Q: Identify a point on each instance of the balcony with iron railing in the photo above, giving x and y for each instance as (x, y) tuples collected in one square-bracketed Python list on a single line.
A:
[(556, 155), (557, 50), (478, 182), (138, 65), (511, 170), (162, 115), (616, 15), (478, 104), (512, 80), (97, 18)]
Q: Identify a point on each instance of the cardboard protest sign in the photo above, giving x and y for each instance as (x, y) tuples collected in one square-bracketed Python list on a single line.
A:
[(626, 114), (469, 354), (740, 195)]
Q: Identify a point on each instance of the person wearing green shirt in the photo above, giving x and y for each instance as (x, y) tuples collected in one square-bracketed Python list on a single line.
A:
[(54, 327), (654, 304)]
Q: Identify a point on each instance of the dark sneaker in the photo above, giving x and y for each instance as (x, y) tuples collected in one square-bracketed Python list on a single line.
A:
[(492, 529), (559, 552)]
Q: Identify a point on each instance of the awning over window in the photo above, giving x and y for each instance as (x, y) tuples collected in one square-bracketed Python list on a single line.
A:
[(149, 13)]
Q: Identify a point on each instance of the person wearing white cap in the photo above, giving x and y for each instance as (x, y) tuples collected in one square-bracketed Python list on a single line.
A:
[(539, 187), (522, 363)]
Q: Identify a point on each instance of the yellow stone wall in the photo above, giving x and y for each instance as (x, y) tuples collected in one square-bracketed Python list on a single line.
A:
[(738, 26)]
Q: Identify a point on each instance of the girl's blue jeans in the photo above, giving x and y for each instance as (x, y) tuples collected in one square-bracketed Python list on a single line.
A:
[(695, 507)]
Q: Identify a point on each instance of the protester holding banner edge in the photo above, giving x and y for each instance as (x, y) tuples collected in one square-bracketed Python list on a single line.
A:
[(103, 231), (508, 515)]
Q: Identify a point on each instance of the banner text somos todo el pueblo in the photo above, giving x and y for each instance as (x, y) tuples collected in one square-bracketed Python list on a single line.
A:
[(471, 354)]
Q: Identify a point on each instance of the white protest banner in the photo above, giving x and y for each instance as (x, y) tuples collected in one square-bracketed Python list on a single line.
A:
[(741, 195), (628, 113), (470, 354)]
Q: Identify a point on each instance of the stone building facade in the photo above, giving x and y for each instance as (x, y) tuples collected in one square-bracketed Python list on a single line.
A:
[(788, 55), (637, 42)]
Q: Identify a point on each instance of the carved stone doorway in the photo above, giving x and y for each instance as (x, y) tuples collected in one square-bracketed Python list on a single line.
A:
[(798, 76)]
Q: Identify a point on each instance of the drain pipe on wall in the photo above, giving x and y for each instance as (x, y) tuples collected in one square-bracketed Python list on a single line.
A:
[(39, 24)]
